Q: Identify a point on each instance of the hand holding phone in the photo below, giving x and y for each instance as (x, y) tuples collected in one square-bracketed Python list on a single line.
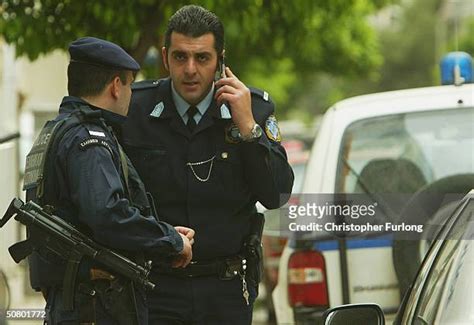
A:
[(236, 96)]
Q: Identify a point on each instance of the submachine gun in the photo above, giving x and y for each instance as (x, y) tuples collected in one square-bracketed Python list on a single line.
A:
[(61, 238)]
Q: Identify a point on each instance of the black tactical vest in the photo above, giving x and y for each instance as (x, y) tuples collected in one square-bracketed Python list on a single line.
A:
[(45, 268), (40, 182)]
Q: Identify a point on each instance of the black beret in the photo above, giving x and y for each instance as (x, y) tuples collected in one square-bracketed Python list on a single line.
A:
[(99, 52)]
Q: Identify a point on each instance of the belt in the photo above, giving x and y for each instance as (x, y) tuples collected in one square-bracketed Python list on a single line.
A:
[(225, 269)]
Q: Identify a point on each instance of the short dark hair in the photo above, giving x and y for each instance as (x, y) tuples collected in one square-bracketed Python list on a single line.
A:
[(86, 80), (195, 21)]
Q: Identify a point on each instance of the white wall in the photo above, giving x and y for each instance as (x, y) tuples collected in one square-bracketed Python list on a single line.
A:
[(43, 82), (25, 88)]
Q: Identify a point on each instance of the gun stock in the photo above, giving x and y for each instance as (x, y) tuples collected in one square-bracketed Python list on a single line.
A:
[(13, 208)]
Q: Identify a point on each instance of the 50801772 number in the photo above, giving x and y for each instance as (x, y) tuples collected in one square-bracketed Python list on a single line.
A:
[(25, 314)]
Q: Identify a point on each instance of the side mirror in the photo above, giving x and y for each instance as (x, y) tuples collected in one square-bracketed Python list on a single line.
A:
[(356, 314)]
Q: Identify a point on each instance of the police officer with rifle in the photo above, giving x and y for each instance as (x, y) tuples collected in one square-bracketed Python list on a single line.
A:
[(90, 223), (55, 235)]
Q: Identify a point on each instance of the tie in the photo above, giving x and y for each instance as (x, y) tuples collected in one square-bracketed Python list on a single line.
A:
[(192, 110)]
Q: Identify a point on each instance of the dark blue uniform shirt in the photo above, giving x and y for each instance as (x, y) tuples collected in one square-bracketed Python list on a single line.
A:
[(175, 164), (210, 181)]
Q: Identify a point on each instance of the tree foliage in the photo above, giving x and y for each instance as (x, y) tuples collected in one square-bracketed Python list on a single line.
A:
[(409, 49), (464, 40), (300, 37), (416, 35)]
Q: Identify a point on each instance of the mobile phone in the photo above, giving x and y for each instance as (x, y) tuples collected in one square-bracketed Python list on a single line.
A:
[(220, 72)]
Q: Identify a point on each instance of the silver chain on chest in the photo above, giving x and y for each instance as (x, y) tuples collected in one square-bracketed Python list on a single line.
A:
[(198, 163)]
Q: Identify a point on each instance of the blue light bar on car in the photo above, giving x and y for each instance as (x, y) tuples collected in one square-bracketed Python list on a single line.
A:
[(456, 68)]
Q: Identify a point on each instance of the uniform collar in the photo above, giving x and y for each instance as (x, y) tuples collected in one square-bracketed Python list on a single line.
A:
[(70, 100), (165, 106), (112, 118), (70, 103), (182, 106)]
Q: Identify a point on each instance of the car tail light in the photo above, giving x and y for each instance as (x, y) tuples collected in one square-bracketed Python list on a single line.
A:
[(294, 199), (307, 279)]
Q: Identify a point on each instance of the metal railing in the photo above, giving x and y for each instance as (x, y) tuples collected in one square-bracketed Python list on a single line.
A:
[(10, 137)]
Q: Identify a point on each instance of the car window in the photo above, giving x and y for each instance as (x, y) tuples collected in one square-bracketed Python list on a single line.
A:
[(457, 305), (298, 170), (447, 296), (401, 153), (429, 303)]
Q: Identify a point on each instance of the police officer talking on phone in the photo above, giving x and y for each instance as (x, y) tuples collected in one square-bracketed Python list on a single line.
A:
[(207, 151), (87, 180)]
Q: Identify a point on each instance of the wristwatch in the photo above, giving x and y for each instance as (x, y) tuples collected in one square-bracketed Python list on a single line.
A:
[(255, 134)]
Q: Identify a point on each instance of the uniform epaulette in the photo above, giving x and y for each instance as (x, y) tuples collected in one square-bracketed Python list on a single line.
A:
[(146, 84), (262, 105), (260, 93)]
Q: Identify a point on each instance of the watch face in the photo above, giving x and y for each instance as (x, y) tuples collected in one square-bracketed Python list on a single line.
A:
[(257, 131)]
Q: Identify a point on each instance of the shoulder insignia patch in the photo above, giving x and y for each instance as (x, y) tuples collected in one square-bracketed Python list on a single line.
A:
[(95, 142), (97, 133), (272, 130), (225, 113), (232, 133), (158, 110)]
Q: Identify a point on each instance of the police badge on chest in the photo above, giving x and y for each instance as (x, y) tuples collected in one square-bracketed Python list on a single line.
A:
[(232, 133)]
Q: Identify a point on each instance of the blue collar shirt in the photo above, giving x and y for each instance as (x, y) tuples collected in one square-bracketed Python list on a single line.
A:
[(182, 106)]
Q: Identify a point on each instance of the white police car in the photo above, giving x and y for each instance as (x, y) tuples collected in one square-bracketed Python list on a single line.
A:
[(442, 292), (408, 141)]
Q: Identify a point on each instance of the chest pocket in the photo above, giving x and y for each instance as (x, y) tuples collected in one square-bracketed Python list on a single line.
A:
[(229, 168), (151, 163)]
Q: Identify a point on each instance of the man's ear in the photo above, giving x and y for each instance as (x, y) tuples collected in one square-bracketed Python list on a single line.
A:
[(115, 87), (164, 57)]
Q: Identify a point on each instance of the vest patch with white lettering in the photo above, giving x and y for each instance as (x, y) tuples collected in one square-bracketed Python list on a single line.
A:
[(90, 142)]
